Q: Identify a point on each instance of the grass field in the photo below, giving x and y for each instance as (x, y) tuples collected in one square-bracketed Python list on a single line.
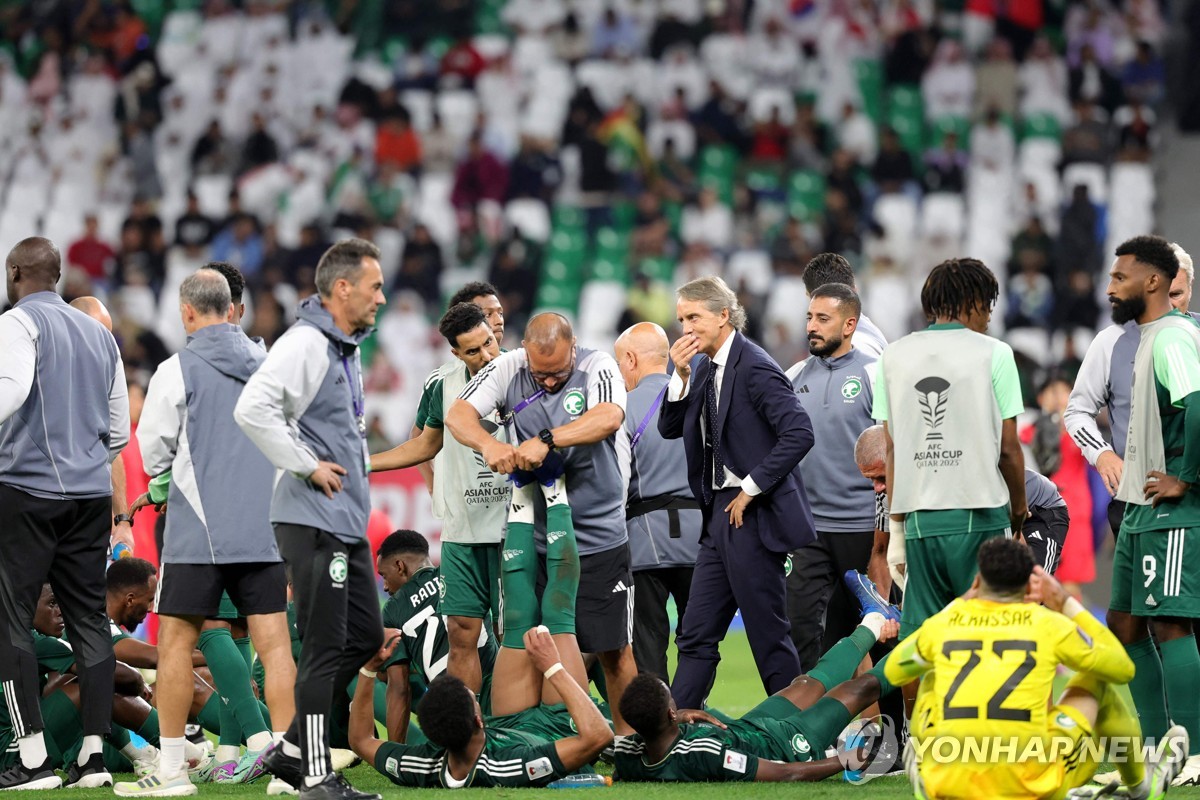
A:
[(737, 690)]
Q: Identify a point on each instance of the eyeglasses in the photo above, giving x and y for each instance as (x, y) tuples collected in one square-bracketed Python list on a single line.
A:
[(561, 375)]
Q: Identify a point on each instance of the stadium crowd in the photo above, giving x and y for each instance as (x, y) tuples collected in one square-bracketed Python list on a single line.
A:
[(276, 200)]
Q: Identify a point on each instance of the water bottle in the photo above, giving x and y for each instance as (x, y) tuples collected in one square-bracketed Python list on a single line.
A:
[(590, 781), (122, 550)]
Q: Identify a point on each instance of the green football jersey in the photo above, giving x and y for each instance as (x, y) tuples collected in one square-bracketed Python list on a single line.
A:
[(53, 655), (425, 646), (701, 753), (510, 758)]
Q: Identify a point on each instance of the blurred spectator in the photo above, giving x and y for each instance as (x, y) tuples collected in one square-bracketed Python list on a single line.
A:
[(462, 64), (856, 135), (843, 178), (396, 142), (910, 45), (260, 148), (479, 176), (1091, 82), (948, 86), (92, 254), (390, 194), (514, 273), (569, 41), (536, 172), (1078, 243), (1091, 24), (1145, 22), (1077, 307), (769, 142), (241, 244), (946, 166), (709, 221), (1088, 139), (716, 121), (417, 68), (1032, 243), (194, 228), (1043, 80), (650, 227), (421, 267), (1135, 132), (614, 35), (214, 153), (1145, 77), (649, 300), (893, 166), (1030, 294), (996, 80), (675, 179), (143, 157), (774, 56)]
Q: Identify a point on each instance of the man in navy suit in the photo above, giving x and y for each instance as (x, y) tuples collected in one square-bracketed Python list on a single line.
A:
[(744, 433)]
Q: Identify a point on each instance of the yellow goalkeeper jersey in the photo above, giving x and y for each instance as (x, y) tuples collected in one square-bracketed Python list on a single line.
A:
[(984, 723)]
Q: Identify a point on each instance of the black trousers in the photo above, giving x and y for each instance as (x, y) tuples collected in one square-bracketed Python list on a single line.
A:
[(65, 542), (340, 626), (651, 623), (820, 607)]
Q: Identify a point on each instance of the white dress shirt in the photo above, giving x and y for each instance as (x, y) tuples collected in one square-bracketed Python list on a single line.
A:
[(677, 390)]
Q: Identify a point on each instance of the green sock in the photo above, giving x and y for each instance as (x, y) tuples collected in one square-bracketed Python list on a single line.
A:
[(209, 717), (1181, 669), (562, 561), (119, 736), (1115, 720), (149, 728), (1146, 688), (843, 658), (885, 686), (518, 569), (232, 679)]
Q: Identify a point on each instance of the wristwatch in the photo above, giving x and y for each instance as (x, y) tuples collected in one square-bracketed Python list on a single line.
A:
[(119, 518), (547, 437)]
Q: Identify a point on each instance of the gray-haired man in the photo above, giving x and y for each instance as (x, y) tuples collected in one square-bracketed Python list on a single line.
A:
[(305, 410), (210, 544)]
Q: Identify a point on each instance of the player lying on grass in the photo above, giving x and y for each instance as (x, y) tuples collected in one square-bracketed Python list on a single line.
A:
[(782, 739), (983, 725), (466, 751)]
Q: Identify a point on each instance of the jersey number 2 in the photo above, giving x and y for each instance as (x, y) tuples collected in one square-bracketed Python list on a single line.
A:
[(995, 706)]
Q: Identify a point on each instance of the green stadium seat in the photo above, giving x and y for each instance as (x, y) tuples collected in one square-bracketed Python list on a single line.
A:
[(568, 218), (610, 269), (869, 72), (558, 297), (806, 194), (1041, 126), (938, 128), (658, 268), (612, 243)]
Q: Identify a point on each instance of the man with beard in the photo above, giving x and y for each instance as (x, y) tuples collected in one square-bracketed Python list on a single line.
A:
[(1160, 485), (835, 387)]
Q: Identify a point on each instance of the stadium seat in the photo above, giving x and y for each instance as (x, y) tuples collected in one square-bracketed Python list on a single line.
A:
[(806, 194), (601, 304), (530, 217), (459, 111), (419, 104), (750, 268), (869, 74), (1041, 126), (897, 214), (1093, 176), (939, 127), (943, 214), (768, 99)]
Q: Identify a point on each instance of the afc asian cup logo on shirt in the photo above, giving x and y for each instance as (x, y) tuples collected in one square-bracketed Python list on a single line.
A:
[(573, 402), (851, 388), (933, 395)]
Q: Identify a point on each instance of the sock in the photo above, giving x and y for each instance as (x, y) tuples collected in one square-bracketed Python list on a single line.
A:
[(118, 737), (93, 745), (193, 752), (562, 561), (874, 623), (313, 780), (518, 569), (228, 752), (885, 686), (290, 750), (277, 737), (1146, 688), (258, 741), (843, 658), (232, 679), (171, 753), (1115, 720), (1181, 670), (149, 730), (209, 717), (33, 750)]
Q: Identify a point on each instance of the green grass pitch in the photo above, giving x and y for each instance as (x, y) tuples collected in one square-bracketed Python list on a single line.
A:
[(737, 690)]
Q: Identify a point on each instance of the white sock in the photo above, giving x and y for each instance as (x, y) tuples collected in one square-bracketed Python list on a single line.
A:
[(290, 749), (228, 752), (311, 781), (171, 752), (33, 750), (131, 751), (277, 736), (92, 746), (556, 495), (193, 751), (258, 741), (874, 623), (520, 505)]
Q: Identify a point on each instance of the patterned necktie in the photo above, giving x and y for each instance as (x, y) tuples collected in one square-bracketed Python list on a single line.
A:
[(714, 472)]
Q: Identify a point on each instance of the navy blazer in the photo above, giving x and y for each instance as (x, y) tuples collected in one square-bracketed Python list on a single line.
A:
[(765, 432)]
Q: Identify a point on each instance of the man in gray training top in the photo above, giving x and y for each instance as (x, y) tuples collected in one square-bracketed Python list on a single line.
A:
[(305, 409), (555, 396), (662, 516), (835, 387), (64, 417), (210, 545)]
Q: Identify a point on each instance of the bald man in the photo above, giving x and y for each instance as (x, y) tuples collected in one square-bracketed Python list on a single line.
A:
[(64, 417), (661, 514), (122, 522), (565, 405)]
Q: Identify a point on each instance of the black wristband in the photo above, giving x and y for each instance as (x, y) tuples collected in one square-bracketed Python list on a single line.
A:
[(547, 437), (119, 518)]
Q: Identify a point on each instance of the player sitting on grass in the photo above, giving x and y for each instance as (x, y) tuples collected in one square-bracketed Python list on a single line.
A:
[(988, 662), (782, 739), (463, 750)]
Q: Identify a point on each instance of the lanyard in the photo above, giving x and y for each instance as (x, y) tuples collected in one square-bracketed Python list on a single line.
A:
[(357, 399), (637, 435), (521, 406)]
